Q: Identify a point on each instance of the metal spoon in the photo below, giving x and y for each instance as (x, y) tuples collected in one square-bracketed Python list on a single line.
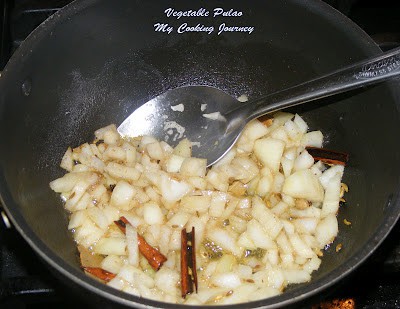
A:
[(213, 120)]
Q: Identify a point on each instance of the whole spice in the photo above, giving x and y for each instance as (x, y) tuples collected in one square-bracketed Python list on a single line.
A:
[(100, 273), (347, 222), (155, 258), (328, 156), (188, 263), (213, 251)]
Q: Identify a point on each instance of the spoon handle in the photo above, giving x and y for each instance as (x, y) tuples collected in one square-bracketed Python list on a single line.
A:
[(370, 71)]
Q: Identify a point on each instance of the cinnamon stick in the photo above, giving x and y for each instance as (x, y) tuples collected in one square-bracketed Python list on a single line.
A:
[(100, 273), (188, 263), (121, 223), (155, 258), (328, 156)]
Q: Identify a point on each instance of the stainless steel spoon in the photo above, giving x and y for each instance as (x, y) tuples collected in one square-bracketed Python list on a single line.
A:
[(213, 120)]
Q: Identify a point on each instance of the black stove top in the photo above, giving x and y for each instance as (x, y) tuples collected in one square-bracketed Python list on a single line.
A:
[(25, 282)]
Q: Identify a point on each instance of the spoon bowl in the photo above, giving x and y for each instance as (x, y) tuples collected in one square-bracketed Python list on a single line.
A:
[(193, 112), (213, 120)]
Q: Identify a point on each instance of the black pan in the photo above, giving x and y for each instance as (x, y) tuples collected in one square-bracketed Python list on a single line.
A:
[(95, 61)]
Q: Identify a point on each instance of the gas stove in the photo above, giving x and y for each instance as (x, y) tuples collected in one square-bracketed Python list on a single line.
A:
[(25, 282)]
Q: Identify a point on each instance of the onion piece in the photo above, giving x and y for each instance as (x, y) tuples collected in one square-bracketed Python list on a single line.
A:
[(110, 245), (269, 151), (229, 280), (132, 245), (122, 195), (304, 184), (326, 230)]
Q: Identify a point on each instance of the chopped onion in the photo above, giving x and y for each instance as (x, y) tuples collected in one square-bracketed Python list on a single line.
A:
[(132, 245), (111, 245), (269, 151), (261, 214)]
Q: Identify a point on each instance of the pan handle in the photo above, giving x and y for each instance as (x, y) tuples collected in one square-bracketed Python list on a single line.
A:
[(370, 71)]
